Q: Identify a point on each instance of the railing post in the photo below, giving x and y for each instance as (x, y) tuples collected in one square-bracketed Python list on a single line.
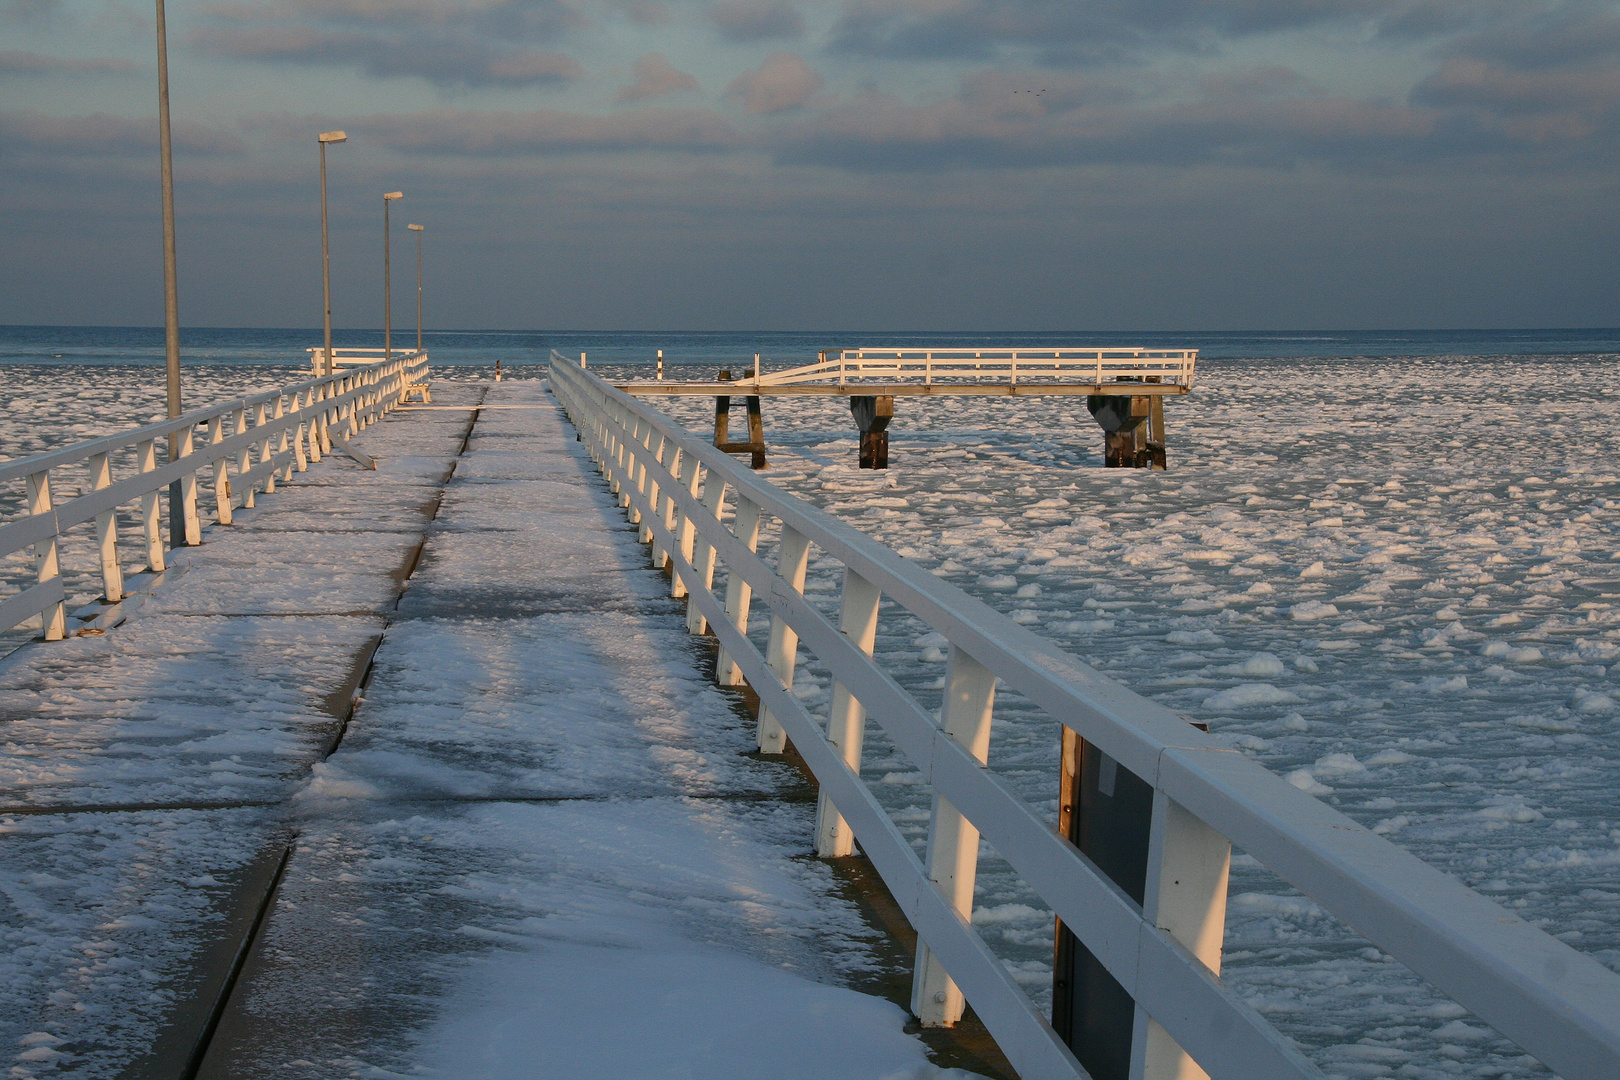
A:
[(244, 460), (324, 422), (953, 841), (310, 432), (669, 515), (739, 594), (654, 494), (53, 619), (1185, 896), (270, 452), (112, 575), (188, 490), (846, 720), (151, 524), (714, 499), (792, 559), (685, 530), (643, 478), (222, 479)]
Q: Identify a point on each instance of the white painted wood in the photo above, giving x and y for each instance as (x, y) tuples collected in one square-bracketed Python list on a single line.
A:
[(739, 594), (681, 524), (714, 505), (669, 454), (112, 575), (846, 718), (1185, 897), (655, 448), (934, 366), (953, 841), (222, 479), (261, 418), (782, 651), (46, 567), (151, 526)]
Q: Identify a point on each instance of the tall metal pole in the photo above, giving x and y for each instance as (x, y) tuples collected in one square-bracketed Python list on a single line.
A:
[(324, 366), (388, 293), (418, 229), (171, 286)]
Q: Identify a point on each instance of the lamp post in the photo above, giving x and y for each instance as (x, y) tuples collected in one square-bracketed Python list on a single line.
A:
[(171, 288), (417, 229), (388, 292), (325, 365)]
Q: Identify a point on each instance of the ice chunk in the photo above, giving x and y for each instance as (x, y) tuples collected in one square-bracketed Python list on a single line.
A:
[(1248, 695), (1588, 701), (1332, 766), (1193, 637), (1302, 779), (1262, 665), (1312, 610)]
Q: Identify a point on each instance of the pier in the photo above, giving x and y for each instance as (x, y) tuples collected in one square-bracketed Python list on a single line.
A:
[(451, 720), (1124, 389)]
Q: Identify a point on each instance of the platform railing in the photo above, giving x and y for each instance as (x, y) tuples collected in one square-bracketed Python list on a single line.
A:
[(240, 447), (1558, 1004), (1014, 366), (347, 357)]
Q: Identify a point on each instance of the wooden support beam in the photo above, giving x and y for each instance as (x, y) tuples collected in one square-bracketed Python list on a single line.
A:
[(755, 445), (1165, 859), (1129, 425), (872, 415)]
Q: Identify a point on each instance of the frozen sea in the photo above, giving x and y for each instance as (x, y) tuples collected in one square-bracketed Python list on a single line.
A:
[(1386, 566)]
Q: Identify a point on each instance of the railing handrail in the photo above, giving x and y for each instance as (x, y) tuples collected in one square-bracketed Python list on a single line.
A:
[(959, 363), (1559, 1004), (354, 397), (68, 455)]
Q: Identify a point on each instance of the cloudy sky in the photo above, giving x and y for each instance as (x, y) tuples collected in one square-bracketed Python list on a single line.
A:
[(825, 164)]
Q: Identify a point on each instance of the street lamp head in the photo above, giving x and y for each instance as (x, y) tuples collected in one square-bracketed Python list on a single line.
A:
[(414, 228), (332, 136), (389, 196)]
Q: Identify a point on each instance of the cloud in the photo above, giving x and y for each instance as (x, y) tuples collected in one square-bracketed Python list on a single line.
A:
[(644, 12), (32, 11), (444, 61), (19, 63), (782, 82), (473, 43), (1550, 77), (1477, 84), (976, 131), (99, 135), (757, 20), (1112, 29), (655, 77), (446, 132)]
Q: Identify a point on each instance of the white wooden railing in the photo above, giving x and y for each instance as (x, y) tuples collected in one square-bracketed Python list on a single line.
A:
[(242, 445), (1015, 366), (1559, 1005), (348, 357)]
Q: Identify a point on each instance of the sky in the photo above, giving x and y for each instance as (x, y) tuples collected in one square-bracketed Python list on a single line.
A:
[(838, 164)]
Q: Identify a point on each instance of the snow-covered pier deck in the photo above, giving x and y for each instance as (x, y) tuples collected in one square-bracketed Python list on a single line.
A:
[(447, 716)]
